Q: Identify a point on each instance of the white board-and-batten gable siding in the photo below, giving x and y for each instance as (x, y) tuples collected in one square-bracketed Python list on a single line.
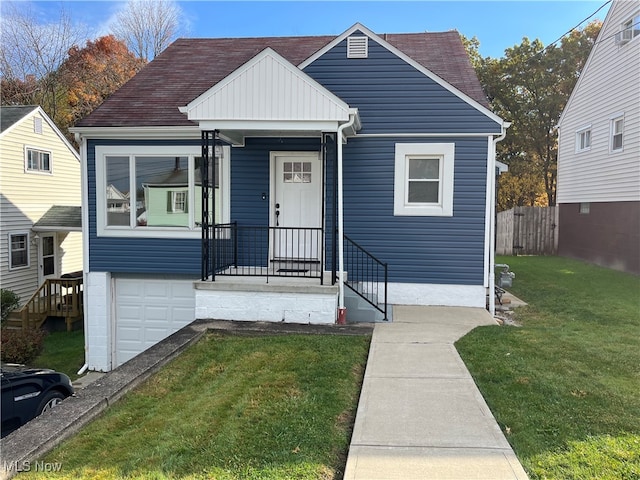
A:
[(608, 86), (26, 196), (267, 88)]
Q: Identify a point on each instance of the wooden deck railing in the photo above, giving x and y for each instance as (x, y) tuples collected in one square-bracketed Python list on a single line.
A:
[(56, 297)]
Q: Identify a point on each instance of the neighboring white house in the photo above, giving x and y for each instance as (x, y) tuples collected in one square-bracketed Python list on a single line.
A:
[(599, 149), (40, 219)]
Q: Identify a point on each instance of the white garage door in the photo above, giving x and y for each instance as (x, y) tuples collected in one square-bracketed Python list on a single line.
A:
[(148, 311)]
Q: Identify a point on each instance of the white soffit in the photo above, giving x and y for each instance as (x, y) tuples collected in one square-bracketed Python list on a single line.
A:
[(267, 90)]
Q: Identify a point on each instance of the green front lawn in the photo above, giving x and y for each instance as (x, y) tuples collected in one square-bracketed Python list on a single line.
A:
[(230, 407), (565, 387), (62, 351)]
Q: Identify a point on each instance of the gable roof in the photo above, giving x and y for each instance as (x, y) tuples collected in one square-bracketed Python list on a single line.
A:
[(10, 115), (190, 67)]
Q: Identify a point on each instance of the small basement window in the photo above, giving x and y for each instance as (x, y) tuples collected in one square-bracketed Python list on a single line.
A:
[(585, 208), (358, 47)]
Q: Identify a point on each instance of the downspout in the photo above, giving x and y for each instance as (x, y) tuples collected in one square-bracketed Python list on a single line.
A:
[(342, 311), (492, 224)]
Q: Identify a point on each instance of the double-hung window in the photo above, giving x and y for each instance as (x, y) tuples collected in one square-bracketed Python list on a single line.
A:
[(157, 192), (37, 160), (18, 250), (617, 133), (423, 179), (583, 139)]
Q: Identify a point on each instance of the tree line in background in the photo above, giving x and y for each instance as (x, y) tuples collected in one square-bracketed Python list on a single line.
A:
[(529, 86), (44, 64), (51, 63)]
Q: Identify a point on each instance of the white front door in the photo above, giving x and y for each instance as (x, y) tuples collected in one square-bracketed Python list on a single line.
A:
[(47, 257), (296, 205)]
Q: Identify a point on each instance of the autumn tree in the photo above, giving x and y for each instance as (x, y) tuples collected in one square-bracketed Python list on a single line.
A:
[(31, 55), (92, 73), (529, 86), (147, 26)]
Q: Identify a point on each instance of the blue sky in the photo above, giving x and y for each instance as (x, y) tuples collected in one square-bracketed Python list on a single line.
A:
[(497, 24)]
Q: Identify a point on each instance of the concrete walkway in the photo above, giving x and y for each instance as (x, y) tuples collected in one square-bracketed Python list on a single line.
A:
[(420, 414)]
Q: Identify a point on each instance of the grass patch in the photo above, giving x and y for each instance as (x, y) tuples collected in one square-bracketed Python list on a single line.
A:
[(62, 351), (564, 386), (230, 407)]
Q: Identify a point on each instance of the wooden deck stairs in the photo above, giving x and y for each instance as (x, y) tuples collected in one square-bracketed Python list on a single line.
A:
[(56, 297)]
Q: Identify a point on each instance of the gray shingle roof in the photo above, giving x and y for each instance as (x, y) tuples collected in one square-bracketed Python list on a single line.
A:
[(9, 115), (190, 66), (60, 219)]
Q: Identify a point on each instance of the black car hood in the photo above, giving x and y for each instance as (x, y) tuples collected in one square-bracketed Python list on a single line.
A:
[(11, 369)]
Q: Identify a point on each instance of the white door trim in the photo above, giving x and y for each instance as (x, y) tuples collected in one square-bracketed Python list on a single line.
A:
[(273, 157), (41, 276)]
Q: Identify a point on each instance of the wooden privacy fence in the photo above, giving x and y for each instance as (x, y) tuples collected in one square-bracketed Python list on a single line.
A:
[(527, 231)]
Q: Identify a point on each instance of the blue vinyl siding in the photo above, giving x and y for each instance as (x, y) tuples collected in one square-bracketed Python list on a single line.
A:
[(394, 97), (442, 250), (137, 255)]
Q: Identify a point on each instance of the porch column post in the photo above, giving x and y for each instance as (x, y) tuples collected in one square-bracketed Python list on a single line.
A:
[(330, 158)]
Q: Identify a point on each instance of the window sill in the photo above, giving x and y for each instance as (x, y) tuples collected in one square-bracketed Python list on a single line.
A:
[(150, 232), (422, 211)]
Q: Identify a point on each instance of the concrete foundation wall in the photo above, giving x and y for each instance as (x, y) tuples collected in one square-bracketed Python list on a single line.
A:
[(267, 306), (97, 295)]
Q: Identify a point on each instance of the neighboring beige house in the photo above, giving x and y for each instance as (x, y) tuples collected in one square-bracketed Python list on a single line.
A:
[(599, 149), (40, 220)]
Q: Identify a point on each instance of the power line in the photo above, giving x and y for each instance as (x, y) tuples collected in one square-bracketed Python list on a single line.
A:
[(572, 29)]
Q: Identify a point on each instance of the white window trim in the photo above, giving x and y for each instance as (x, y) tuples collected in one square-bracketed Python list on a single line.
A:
[(444, 151), (612, 121), (631, 24), (190, 151), (579, 133), (28, 246), (27, 148)]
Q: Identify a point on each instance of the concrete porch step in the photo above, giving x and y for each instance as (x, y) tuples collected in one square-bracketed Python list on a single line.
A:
[(360, 311)]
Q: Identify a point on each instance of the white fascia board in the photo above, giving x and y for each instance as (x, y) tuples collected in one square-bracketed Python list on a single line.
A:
[(463, 96), (138, 133), (56, 229), (272, 125), (267, 52)]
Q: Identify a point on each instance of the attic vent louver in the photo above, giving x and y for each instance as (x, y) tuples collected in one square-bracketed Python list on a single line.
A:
[(357, 47), (37, 125)]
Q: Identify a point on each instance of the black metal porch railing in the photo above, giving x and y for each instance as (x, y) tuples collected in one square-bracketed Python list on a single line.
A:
[(366, 275), (262, 251)]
